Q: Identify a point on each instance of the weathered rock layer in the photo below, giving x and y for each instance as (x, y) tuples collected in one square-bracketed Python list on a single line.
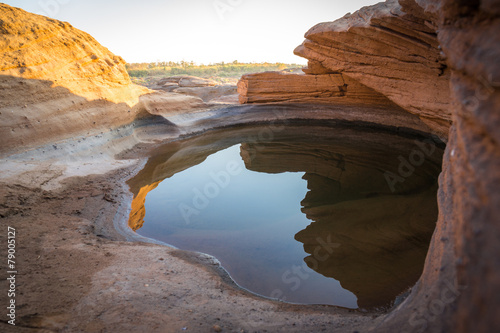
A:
[(386, 52), (270, 87), (391, 48)]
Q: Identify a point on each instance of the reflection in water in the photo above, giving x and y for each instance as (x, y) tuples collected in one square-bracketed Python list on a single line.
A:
[(351, 200)]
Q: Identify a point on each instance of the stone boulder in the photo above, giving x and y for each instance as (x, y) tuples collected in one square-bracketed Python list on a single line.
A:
[(165, 104)]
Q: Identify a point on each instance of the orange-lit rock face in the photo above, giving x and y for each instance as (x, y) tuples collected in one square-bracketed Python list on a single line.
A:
[(37, 47), (382, 235), (57, 81)]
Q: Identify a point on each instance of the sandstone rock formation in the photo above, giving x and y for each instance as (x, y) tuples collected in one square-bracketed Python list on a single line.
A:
[(57, 82), (185, 81), (391, 48), (271, 87)]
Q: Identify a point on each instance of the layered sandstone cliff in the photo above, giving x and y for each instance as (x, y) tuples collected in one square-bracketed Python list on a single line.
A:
[(391, 48), (458, 289), (336, 88)]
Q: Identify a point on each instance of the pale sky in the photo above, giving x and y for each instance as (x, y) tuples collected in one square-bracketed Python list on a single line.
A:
[(202, 31)]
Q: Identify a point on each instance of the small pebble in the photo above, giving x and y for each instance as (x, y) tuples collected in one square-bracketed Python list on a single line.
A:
[(217, 328)]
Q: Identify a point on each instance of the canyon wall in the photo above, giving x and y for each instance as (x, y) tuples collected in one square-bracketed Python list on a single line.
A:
[(470, 196)]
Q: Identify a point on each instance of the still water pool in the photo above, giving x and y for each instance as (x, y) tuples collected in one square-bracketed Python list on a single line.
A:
[(305, 214)]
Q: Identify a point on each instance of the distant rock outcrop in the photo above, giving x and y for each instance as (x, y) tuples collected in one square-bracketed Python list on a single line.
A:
[(207, 89)]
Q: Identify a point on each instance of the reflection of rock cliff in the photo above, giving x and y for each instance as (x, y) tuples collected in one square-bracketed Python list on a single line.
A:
[(382, 236), (57, 80), (138, 211), (356, 158), (382, 241), (326, 88)]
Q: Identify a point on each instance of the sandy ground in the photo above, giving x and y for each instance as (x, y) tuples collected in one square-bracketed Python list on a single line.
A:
[(78, 273)]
